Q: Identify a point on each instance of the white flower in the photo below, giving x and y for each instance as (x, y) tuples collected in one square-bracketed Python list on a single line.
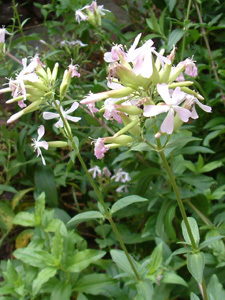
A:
[(171, 105), (142, 58), (95, 171), (51, 115), (192, 101), (3, 32), (110, 110), (37, 144), (121, 176)]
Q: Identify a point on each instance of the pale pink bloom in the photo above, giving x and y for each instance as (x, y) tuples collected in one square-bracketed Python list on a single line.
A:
[(73, 70), (115, 54), (106, 172), (37, 144), (17, 85), (121, 176), (80, 16), (110, 110), (171, 106), (92, 108), (190, 67), (3, 32), (142, 58), (95, 171), (73, 43), (192, 101), (114, 85), (122, 188), (100, 148), (65, 113)]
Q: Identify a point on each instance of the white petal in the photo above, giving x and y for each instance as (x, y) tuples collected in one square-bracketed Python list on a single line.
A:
[(168, 123), (203, 107), (73, 119), (154, 110), (183, 113), (163, 91), (59, 123), (41, 132), (43, 160), (147, 68), (108, 57), (50, 115), (114, 85), (72, 108), (43, 144), (194, 114), (135, 43)]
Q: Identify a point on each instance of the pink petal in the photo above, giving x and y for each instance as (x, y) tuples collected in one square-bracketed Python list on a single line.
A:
[(183, 113), (203, 107), (50, 115), (168, 123), (43, 144), (41, 132), (72, 108), (73, 119), (163, 91), (178, 96), (154, 110), (194, 114)]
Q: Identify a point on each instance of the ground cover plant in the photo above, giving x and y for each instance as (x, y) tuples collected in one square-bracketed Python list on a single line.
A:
[(112, 152)]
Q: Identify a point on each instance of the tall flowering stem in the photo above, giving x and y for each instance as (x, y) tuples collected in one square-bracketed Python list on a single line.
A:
[(180, 204), (97, 191)]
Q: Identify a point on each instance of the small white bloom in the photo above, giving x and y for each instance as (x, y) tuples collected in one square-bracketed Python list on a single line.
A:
[(121, 176), (95, 171), (192, 101), (3, 32), (37, 144), (171, 106), (51, 115)]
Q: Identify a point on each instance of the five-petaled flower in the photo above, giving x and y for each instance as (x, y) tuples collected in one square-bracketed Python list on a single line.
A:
[(100, 148), (65, 113), (171, 106), (37, 144)]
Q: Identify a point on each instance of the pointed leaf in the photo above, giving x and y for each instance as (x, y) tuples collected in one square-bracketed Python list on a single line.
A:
[(194, 229), (123, 202), (42, 278), (120, 259), (88, 215), (171, 277), (93, 284), (194, 297), (24, 219), (195, 265)]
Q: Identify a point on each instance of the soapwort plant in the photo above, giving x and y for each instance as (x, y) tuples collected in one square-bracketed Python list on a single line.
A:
[(150, 102)]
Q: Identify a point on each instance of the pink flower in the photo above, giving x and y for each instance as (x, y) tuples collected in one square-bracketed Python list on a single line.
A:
[(110, 110), (65, 113), (142, 58), (73, 70), (3, 32), (92, 108), (80, 16), (116, 53), (100, 148), (190, 69), (192, 101), (106, 172), (121, 176), (37, 144), (171, 105)]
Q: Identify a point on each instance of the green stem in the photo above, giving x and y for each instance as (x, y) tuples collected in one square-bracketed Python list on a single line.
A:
[(185, 28), (99, 195), (197, 211), (19, 23), (179, 201), (205, 296)]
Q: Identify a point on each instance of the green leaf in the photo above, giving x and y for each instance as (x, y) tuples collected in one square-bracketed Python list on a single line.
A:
[(120, 259), (7, 188), (145, 289), (195, 265), (39, 208), (210, 241), (6, 216), (19, 195), (195, 149), (44, 181), (57, 245), (174, 37), (36, 258), (24, 219), (215, 289), (85, 216), (124, 202), (171, 277), (93, 284), (83, 259), (194, 229), (171, 4), (211, 166), (168, 222), (194, 297), (42, 278), (61, 291), (156, 259)]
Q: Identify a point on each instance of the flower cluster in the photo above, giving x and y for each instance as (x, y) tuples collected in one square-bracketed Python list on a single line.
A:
[(144, 83), (91, 13), (120, 176)]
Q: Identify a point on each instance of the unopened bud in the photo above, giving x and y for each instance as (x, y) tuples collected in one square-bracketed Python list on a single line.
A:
[(131, 125), (176, 72), (157, 62), (129, 78), (180, 84), (57, 144), (129, 109), (189, 91), (122, 140), (55, 72)]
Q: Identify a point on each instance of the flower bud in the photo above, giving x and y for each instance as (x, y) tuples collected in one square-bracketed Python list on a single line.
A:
[(129, 78), (131, 125), (122, 140), (57, 144), (129, 109), (165, 73), (32, 107), (180, 83), (176, 72), (55, 72), (189, 91)]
